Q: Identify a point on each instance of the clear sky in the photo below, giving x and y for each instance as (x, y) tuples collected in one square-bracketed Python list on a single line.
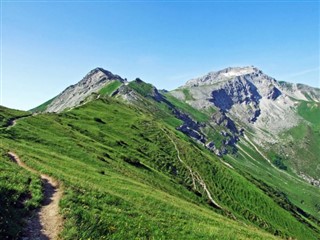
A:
[(49, 45)]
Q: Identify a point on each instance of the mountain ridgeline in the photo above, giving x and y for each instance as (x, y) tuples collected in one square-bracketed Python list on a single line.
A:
[(230, 155)]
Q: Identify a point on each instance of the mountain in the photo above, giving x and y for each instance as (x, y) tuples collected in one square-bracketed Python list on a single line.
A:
[(76, 94), (229, 155), (269, 110), (250, 96)]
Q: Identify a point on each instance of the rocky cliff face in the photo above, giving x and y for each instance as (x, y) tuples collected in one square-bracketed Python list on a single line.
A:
[(238, 91), (279, 118), (249, 97), (76, 94)]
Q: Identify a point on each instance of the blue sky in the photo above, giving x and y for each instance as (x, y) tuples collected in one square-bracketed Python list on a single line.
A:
[(49, 45)]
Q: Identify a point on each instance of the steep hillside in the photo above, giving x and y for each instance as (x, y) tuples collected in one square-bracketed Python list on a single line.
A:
[(222, 132), (278, 125), (127, 175)]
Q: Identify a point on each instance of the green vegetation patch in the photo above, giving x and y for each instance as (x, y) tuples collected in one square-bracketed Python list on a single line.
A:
[(144, 89), (213, 134), (303, 141), (187, 94), (185, 107), (164, 113), (278, 162), (310, 111), (110, 88)]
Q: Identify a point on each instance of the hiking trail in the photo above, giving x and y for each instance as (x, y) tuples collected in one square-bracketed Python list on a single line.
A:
[(46, 222)]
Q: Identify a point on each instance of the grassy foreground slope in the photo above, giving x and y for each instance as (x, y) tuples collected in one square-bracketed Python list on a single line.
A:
[(123, 179), (20, 191)]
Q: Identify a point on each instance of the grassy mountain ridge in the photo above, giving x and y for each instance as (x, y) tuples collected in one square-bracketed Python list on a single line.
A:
[(138, 163), (306, 199), (123, 178)]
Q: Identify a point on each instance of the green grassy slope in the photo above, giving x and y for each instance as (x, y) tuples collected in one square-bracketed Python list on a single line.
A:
[(298, 151), (303, 141), (298, 192), (20, 192), (186, 108), (310, 111), (110, 88), (123, 179), (144, 89)]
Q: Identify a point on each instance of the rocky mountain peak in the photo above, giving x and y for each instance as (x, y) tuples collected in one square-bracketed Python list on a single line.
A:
[(98, 75), (245, 94), (75, 94), (226, 74)]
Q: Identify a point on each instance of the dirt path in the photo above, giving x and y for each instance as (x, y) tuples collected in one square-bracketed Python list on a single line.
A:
[(11, 124), (227, 164), (255, 147), (45, 223), (13, 121)]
